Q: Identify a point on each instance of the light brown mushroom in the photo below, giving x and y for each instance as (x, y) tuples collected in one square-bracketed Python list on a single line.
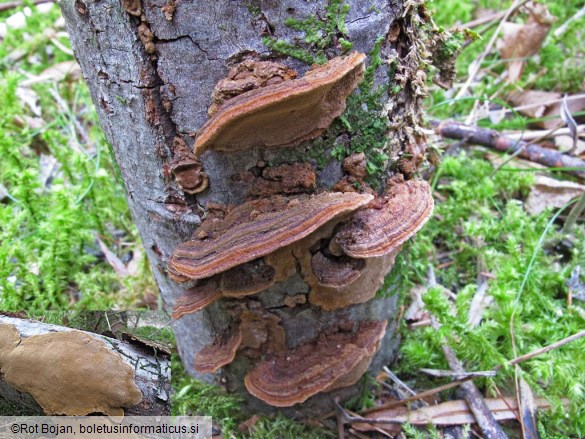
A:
[(221, 352), (68, 373), (393, 219), (331, 362), (284, 114), (258, 228), (332, 271)]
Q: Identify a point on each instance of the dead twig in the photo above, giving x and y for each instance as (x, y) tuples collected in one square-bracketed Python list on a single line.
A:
[(458, 375), (483, 415), (493, 139)]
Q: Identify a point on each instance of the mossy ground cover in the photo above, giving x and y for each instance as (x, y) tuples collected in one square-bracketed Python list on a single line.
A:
[(49, 257), (62, 190)]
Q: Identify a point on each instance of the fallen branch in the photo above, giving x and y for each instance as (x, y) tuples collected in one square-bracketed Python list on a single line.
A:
[(484, 417), (493, 139)]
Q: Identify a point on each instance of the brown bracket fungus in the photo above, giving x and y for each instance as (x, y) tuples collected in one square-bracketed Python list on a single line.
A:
[(67, 373), (246, 76), (221, 352), (197, 298), (258, 228), (333, 288), (394, 218), (333, 361), (284, 114)]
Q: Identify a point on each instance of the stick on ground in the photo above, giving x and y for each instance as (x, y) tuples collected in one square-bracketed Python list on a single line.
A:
[(493, 139)]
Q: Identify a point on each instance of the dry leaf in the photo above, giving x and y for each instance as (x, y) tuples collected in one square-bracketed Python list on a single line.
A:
[(545, 104), (565, 143), (30, 98), (113, 260), (524, 40), (528, 411), (416, 311), (548, 192), (480, 302), (447, 413), (55, 73), (567, 118)]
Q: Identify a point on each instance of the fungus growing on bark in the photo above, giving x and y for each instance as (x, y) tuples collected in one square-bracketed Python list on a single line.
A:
[(245, 76), (393, 218), (258, 228), (362, 288), (284, 114), (221, 352), (336, 271), (67, 373), (249, 278), (285, 179), (331, 362), (197, 298), (187, 169)]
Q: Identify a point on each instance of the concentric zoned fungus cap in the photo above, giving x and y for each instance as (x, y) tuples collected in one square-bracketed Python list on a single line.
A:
[(68, 373), (394, 218), (284, 114), (334, 271), (353, 287), (197, 298), (221, 352), (329, 363), (249, 278), (258, 228)]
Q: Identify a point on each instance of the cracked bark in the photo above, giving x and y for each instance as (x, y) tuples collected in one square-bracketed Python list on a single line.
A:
[(152, 373), (145, 99)]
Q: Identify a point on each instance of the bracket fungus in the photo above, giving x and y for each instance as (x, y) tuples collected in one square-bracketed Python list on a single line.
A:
[(221, 352), (333, 361), (257, 228), (394, 218), (67, 373), (283, 114)]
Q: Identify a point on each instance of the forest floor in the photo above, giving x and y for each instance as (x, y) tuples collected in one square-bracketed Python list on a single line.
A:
[(500, 266)]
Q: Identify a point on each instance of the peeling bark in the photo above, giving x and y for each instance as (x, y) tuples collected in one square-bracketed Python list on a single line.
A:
[(151, 68)]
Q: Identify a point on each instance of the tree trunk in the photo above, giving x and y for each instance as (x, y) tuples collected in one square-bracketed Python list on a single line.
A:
[(152, 372), (150, 67)]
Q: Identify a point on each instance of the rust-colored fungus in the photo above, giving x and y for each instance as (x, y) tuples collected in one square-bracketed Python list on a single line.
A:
[(249, 278), (67, 373), (261, 332), (285, 179), (245, 76), (197, 298), (335, 271), (329, 363), (187, 169), (257, 228), (284, 114), (362, 289), (221, 352), (378, 230)]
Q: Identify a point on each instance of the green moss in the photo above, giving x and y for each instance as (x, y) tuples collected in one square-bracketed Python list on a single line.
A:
[(318, 34), (48, 249), (480, 217)]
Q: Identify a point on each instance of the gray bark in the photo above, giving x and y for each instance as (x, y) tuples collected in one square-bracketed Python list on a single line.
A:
[(144, 100), (152, 373)]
